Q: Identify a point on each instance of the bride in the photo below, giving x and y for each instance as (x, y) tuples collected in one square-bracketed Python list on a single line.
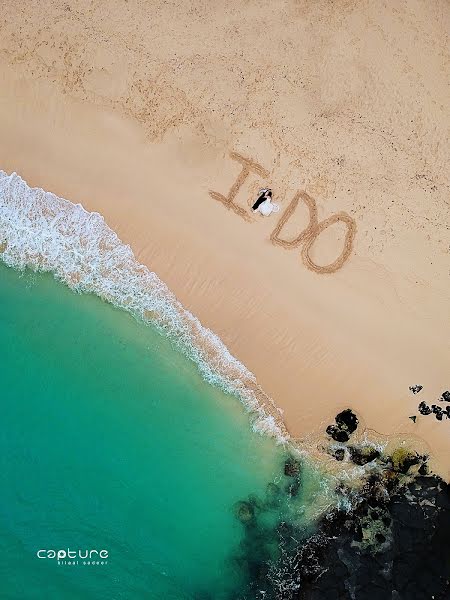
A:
[(264, 204)]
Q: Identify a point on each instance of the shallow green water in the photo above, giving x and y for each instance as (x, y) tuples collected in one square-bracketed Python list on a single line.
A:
[(110, 440)]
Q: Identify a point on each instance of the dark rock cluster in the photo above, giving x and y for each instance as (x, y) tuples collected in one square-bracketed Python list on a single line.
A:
[(346, 424), (438, 411), (389, 540), (391, 543)]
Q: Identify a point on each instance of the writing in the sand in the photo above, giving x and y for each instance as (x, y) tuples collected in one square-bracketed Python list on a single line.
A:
[(306, 238)]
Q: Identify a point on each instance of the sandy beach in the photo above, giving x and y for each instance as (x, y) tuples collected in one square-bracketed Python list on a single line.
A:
[(135, 109)]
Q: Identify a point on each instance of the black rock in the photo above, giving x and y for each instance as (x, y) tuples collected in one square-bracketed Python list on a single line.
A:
[(380, 538), (443, 497), (415, 389), (341, 436), (347, 420), (331, 429), (358, 533), (424, 409), (423, 469), (447, 410), (339, 454), (346, 424), (445, 396), (438, 412), (337, 434), (413, 418)]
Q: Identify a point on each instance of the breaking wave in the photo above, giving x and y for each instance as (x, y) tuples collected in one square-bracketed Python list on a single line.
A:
[(40, 231)]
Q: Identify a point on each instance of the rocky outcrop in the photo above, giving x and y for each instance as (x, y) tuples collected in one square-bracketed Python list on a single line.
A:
[(390, 544)]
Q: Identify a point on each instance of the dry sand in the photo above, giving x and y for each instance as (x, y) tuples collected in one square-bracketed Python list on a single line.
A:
[(132, 108)]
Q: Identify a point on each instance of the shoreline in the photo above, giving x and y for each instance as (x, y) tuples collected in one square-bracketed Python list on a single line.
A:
[(64, 237), (317, 343), (46, 233)]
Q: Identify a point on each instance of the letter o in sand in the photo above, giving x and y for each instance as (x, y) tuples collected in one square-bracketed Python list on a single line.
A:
[(346, 251)]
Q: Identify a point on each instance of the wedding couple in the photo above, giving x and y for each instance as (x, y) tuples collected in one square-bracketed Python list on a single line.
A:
[(264, 204)]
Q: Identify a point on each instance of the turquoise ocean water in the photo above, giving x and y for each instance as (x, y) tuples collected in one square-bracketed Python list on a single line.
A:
[(111, 440)]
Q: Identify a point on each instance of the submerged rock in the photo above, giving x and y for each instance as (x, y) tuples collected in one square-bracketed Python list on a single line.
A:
[(244, 512), (363, 455), (272, 494), (292, 467), (293, 488)]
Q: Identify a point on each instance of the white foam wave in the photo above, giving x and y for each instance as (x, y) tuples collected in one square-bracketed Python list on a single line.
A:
[(41, 231)]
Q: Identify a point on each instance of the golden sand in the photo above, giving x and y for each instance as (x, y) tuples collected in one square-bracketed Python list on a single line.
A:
[(156, 114)]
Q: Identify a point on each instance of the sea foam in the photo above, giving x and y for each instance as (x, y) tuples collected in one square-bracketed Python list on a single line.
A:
[(43, 232)]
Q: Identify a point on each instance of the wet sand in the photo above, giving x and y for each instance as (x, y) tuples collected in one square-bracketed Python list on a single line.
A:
[(133, 109)]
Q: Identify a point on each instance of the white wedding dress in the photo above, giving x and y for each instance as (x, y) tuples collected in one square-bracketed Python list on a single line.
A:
[(267, 207)]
